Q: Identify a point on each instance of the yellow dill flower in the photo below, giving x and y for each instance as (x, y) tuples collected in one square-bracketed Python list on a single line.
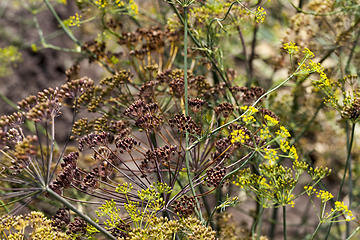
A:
[(75, 20), (260, 15), (239, 136), (251, 110), (283, 132), (284, 145), (291, 48), (316, 67), (324, 196), (309, 190), (293, 153), (343, 209), (265, 133), (308, 53), (271, 155), (270, 121)]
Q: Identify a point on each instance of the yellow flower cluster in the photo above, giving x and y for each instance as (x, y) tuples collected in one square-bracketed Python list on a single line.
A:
[(308, 53), (271, 155), (75, 20), (248, 118), (260, 15), (341, 207), (239, 136), (14, 227), (324, 195), (284, 145), (132, 8), (119, 3), (251, 110), (265, 133), (283, 132), (100, 4), (293, 154), (270, 121), (291, 48), (287, 200), (309, 190)]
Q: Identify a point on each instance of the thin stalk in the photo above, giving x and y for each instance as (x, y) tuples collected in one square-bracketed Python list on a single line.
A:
[(345, 171), (316, 230), (255, 223), (273, 223), (74, 209), (187, 153), (353, 234), (284, 221), (51, 148)]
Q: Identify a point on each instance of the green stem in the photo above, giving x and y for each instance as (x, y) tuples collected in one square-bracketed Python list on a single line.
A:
[(74, 209), (255, 223), (345, 171), (353, 234), (187, 153), (316, 230), (284, 221)]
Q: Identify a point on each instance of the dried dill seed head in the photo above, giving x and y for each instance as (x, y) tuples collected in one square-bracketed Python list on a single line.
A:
[(149, 122), (163, 154), (219, 88), (147, 89), (121, 230), (140, 54), (222, 150), (177, 87), (12, 120), (125, 144), (64, 179), (93, 139), (183, 124), (196, 104), (24, 151), (352, 111), (61, 218), (77, 227), (214, 176), (90, 181), (97, 48), (69, 174), (92, 98), (225, 109), (184, 207), (107, 159), (146, 115), (47, 105), (72, 73), (76, 88), (135, 109), (165, 76), (201, 86), (247, 95), (27, 103), (70, 160)]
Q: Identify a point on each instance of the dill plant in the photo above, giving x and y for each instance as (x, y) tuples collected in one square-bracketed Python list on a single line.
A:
[(165, 138)]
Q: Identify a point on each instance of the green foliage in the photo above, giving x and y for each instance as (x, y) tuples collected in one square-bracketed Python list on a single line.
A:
[(8, 55)]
